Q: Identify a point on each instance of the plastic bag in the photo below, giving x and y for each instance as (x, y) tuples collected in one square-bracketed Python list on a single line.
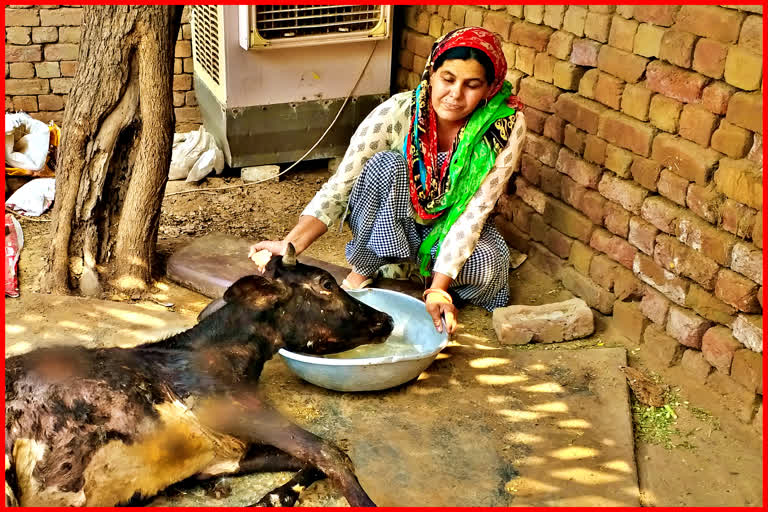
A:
[(33, 198), (194, 155), (14, 241), (30, 146)]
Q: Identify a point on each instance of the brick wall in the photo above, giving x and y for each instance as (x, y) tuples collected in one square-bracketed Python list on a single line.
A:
[(641, 179), (41, 49)]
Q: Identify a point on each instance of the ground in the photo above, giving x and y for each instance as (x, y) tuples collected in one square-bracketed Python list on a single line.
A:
[(705, 457)]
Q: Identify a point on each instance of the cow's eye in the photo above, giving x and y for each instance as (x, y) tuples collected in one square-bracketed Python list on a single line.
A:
[(328, 285)]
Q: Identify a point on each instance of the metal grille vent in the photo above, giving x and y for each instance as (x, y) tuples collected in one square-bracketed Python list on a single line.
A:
[(288, 21), (205, 37)]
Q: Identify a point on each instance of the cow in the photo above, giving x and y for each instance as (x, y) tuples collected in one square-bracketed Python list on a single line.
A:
[(112, 426)]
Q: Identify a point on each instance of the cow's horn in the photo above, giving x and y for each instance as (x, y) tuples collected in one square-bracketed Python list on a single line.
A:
[(289, 258)]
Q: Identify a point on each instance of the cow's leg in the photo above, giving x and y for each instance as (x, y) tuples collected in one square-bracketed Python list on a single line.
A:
[(247, 417), (287, 494)]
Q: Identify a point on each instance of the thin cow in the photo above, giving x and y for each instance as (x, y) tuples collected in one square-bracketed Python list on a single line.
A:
[(110, 426)]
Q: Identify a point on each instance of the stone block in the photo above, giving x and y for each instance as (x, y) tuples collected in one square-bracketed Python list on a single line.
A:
[(562, 321)]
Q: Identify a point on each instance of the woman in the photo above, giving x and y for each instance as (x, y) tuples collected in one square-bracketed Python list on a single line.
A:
[(422, 173)]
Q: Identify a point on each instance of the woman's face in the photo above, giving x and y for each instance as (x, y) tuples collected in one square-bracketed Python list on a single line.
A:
[(457, 88)]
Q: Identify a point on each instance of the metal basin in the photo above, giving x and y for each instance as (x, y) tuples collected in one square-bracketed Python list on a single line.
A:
[(412, 346)]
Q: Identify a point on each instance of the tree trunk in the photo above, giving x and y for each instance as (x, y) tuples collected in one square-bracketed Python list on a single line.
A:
[(115, 151)]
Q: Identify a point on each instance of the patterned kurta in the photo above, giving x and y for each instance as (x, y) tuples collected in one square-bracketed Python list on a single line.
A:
[(384, 129)]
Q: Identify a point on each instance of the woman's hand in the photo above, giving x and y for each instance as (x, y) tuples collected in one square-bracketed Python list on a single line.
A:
[(276, 247), (440, 305)]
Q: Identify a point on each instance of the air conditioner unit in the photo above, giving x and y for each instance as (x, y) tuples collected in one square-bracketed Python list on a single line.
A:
[(270, 79)]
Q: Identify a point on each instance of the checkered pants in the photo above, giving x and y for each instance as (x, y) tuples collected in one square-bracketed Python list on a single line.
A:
[(384, 232)]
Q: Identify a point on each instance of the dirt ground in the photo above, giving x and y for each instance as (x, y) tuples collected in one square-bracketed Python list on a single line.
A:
[(710, 459)]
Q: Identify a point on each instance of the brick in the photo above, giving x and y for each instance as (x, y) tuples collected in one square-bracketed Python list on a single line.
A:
[(597, 26), (662, 213), (61, 17), (501, 23), (567, 220), (748, 329), (664, 113), (745, 110), (571, 192), (636, 100), (444, 11), (740, 180), (735, 142), (560, 44), (583, 173), (608, 90), (757, 232), (25, 103), (417, 19), (178, 99), (648, 40), (542, 148), (627, 66), (544, 67), (715, 97), (554, 127), (509, 51), (626, 286), (588, 82), (61, 51), (61, 85), (561, 321), (535, 119), (685, 158), (188, 115), (629, 320), (709, 306), (747, 370), (574, 20), (718, 347), (737, 291), (645, 172), (695, 365), (663, 15), (710, 21), (448, 26), (521, 216), (18, 35), (677, 48), (618, 249), (22, 18), (593, 206), (515, 10), (557, 242), (51, 102), (655, 306), (751, 36), (538, 94), (581, 257), (737, 398), (642, 235), (601, 271), (550, 181), (581, 112), (524, 59), (184, 49), (47, 69), (626, 132), (673, 287), (748, 261), (47, 117), (739, 220), (436, 26), (28, 86), (705, 202), (585, 52), (533, 36), (178, 66), (419, 62), (709, 240), (419, 44), (542, 258), (22, 53), (45, 35), (514, 77), (622, 34), (182, 82), (709, 57), (458, 12), (672, 255), (594, 149), (566, 75), (618, 160), (534, 13), (743, 68), (697, 124), (675, 82), (664, 347), (625, 192), (68, 68), (70, 34), (533, 197), (593, 294), (574, 139), (530, 169), (687, 327), (22, 70), (512, 235), (672, 186), (553, 16)]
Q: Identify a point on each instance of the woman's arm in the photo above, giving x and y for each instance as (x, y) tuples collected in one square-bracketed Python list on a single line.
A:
[(460, 241), (306, 231)]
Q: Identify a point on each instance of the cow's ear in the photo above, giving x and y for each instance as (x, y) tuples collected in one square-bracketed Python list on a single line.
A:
[(256, 292)]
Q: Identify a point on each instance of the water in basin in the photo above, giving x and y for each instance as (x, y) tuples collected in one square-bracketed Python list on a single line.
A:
[(396, 344)]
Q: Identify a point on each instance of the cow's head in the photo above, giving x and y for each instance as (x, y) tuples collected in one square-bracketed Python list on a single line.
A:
[(306, 307)]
